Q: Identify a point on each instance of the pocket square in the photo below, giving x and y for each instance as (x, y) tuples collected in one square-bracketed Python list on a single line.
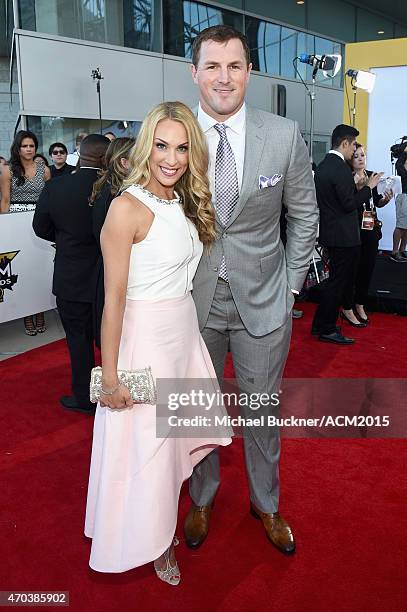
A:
[(269, 181)]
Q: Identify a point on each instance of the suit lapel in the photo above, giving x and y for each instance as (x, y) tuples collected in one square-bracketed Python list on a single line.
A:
[(255, 140)]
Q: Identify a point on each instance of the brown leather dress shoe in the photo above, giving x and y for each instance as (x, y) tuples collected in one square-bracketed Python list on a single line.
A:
[(278, 531), (196, 525)]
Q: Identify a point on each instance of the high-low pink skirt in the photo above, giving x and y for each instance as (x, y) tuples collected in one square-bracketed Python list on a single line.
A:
[(135, 477)]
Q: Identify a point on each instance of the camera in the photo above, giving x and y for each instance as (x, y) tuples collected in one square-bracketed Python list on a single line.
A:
[(398, 148)]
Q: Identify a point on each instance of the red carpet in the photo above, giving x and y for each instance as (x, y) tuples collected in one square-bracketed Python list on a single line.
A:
[(346, 500)]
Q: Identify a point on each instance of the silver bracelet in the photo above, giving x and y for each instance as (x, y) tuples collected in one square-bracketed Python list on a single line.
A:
[(110, 392)]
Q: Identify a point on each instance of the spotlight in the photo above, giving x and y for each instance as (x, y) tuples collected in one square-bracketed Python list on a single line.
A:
[(362, 80)]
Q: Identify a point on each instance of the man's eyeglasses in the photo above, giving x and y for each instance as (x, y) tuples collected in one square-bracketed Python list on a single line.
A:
[(58, 152)]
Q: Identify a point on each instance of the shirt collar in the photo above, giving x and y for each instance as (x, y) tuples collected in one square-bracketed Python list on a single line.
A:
[(338, 153), (236, 122)]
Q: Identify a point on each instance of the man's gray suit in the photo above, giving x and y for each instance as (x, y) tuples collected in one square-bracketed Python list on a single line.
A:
[(252, 314)]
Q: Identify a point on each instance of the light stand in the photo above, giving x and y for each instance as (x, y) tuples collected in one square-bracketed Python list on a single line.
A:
[(312, 94), (97, 76), (360, 80), (330, 66)]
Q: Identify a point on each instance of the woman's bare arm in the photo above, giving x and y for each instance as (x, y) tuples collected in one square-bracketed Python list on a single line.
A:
[(5, 188), (116, 240)]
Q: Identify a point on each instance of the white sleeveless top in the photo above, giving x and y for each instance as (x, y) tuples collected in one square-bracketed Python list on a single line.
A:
[(163, 265)]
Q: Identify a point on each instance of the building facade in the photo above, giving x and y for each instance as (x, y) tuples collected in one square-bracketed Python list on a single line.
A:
[(143, 50)]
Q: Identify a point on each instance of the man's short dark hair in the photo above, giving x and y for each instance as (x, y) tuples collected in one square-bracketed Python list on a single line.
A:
[(219, 34), (343, 132), (60, 145), (93, 149)]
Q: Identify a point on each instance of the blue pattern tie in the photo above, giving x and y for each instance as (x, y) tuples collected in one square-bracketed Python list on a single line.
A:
[(226, 184)]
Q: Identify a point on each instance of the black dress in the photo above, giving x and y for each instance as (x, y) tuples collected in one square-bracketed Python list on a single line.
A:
[(369, 248)]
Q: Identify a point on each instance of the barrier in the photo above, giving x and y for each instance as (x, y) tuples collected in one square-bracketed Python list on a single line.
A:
[(26, 268)]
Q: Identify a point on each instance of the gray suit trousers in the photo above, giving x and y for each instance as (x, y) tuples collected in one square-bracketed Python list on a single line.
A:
[(259, 363)]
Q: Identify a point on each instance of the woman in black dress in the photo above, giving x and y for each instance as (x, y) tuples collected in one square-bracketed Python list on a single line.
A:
[(105, 189), (354, 310)]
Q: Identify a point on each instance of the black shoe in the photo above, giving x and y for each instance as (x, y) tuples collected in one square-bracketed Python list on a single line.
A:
[(361, 319), (70, 403), (345, 318), (336, 337), (317, 332)]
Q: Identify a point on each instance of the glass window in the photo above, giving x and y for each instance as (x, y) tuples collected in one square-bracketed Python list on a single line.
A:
[(305, 44), (264, 43), (288, 51), (6, 27), (183, 20), (63, 129), (129, 23)]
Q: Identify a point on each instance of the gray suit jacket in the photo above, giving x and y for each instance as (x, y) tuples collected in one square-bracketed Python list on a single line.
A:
[(261, 273)]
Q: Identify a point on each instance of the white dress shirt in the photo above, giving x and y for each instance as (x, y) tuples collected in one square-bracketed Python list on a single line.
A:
[(338, 153), (236, 135)]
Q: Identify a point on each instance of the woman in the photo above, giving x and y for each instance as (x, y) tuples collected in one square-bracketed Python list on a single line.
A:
[(152, 241), (21, 183), (354, 308), (104, 190)]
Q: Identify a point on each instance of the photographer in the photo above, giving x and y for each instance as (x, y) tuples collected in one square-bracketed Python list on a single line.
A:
[(399, 254)]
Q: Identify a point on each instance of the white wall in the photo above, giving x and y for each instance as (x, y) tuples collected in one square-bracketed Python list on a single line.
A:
[(387, 123)]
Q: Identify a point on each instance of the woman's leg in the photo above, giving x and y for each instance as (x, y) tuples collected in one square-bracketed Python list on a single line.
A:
[(30, 328), (348, 296), (166, 566), (365, 270), (40, 322)]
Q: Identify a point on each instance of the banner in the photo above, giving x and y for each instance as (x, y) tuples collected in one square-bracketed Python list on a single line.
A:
[(26, 268)]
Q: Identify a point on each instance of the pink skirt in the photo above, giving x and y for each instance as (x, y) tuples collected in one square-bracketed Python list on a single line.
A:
[(135, 477)]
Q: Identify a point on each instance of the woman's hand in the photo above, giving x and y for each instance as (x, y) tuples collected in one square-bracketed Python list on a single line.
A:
[(118, 397), (374, 179), (360, 180), (387, 196)]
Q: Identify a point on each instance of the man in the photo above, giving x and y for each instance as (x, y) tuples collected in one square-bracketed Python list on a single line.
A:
[(58, 153), (73, 158), (63, 216), (338, 203), (243, 289)]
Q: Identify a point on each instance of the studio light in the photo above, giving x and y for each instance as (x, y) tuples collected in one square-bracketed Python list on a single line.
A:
[(362, 79), (329, 64)]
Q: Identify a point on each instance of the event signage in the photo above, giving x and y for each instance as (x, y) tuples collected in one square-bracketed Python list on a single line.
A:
[(26, 268)]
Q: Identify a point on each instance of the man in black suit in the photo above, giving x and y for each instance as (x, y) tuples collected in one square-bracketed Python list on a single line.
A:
[(338, 203), (63, 216)]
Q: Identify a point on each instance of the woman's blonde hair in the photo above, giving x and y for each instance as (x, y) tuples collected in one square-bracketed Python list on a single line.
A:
[(114, 173), (193, 186)]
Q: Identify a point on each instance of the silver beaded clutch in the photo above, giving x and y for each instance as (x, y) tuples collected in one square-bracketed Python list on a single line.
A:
[(140, 383)]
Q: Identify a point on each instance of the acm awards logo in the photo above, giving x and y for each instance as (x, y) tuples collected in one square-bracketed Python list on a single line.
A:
[(7, 278)]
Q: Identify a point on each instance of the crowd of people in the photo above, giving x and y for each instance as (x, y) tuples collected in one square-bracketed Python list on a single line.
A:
[(192, 205)]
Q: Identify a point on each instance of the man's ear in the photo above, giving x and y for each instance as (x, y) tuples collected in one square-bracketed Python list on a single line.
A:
[(194, 72)]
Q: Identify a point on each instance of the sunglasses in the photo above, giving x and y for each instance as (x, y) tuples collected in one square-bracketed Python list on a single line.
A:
[(58, 152)]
